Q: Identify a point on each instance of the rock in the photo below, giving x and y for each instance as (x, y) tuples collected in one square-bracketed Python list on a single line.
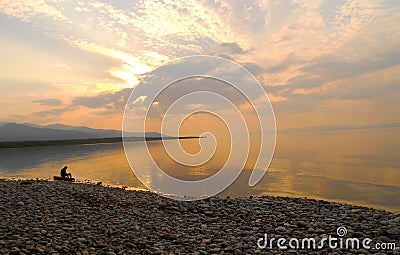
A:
[(393, 230), (214, 250), (40, 250), (207, 241), (280, 229), (237, 252), (65, 218), (15, 249), (228, 248), (395, 220), (301, 224)]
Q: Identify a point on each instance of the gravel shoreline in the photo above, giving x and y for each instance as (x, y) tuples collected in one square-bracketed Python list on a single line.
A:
[(41, 217)]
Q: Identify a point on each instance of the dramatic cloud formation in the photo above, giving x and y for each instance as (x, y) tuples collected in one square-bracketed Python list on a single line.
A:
[(322, 62)]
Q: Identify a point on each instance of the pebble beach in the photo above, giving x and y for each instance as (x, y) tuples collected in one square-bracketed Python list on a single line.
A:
[(46, 217)]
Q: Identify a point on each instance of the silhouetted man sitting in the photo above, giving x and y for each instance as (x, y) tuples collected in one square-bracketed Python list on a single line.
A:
[(64, 173)]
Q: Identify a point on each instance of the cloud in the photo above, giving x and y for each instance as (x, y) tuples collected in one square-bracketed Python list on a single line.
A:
[(328, 68), (373, 84), (282, 64), (197, 106), (33, 9), (228, 49), (131, 69), (353, 16), (49, 101), (114, 101), (53, 112), (254, 68), (303, 52)]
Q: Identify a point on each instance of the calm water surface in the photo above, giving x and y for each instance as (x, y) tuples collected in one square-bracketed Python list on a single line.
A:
[(359, 167)]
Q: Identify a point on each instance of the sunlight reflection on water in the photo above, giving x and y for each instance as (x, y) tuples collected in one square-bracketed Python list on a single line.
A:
[(360, 167)]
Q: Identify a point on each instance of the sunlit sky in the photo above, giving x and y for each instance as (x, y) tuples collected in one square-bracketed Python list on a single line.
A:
[(321, 62)]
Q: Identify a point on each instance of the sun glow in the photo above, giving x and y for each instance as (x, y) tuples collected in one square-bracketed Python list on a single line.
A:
[(110, 87), (125, 75)]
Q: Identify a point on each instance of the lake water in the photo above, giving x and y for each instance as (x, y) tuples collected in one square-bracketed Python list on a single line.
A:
[(359, 166)]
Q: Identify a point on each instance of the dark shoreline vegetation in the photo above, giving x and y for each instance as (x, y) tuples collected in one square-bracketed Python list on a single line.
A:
[(45, 217), (21, 144)]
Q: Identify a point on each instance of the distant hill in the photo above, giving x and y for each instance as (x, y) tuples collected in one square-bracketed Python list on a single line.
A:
[(33, 132), (99, 132)]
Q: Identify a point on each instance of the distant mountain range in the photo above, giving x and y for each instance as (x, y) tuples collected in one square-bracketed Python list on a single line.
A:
[(33, 132)]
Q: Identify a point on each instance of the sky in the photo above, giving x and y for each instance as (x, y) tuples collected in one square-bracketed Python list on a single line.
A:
[(322, 63)]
